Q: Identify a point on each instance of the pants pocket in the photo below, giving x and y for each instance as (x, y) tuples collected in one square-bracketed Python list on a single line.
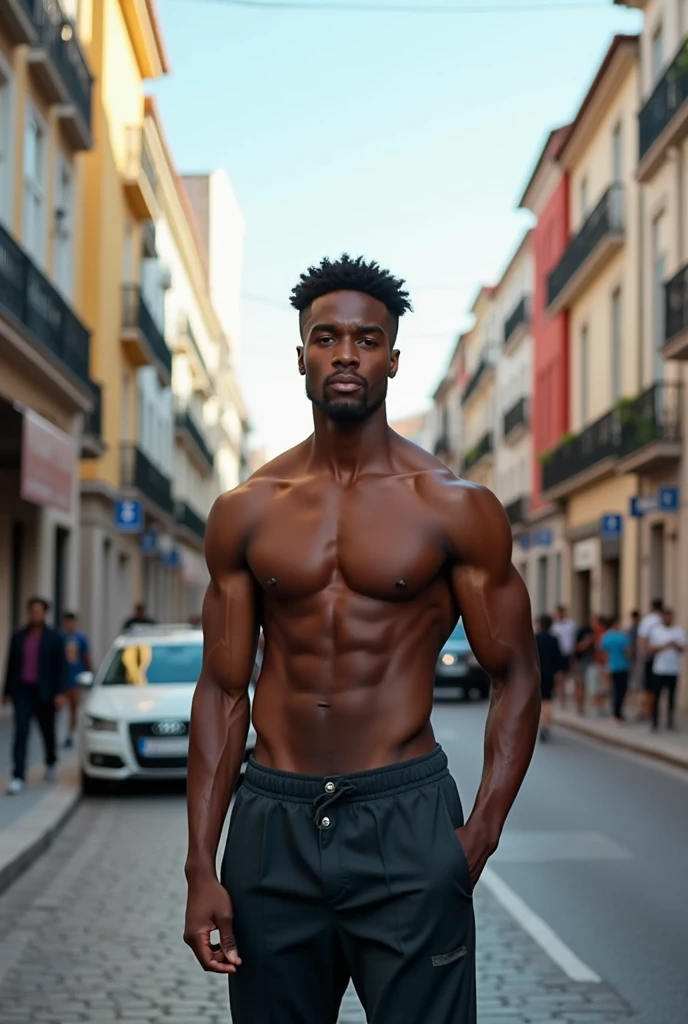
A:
[(453, 817)]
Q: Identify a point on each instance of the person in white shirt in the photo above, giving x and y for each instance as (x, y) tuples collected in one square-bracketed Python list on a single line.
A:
[(667, 643), (647, 624), (565, 630)]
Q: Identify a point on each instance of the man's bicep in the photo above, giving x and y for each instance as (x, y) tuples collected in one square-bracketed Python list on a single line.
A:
[(495, 609)]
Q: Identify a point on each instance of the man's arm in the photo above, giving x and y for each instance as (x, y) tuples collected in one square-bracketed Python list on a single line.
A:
[(494, 603), (220, 719)]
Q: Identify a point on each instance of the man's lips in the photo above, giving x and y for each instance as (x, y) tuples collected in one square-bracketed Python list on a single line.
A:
[(344, 384)]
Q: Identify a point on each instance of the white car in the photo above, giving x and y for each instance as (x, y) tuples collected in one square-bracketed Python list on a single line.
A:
[(135, 720)]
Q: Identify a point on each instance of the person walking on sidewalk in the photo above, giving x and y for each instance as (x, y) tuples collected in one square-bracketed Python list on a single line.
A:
[(647, 624), (35, 681), (78, 657), (553, 666), (667, 644), (139, 618), (565, 630), (348, 856), (615, 644)]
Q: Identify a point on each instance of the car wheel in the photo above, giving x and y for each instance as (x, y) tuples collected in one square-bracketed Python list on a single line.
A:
[(91, 786)]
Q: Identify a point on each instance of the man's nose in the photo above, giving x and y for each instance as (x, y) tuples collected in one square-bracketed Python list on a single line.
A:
[(346, 354)]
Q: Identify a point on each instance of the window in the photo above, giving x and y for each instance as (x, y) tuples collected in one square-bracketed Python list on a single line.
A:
[(616, 345), (126, 404), (6, 105), (34, 186), (583, 199), (64, 230), (617, 155), (584, 376), (147, 664), (658, 310), (657, 53)]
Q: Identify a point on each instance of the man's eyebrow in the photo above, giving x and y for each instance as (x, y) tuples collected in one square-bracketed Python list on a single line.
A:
[(359, 328)]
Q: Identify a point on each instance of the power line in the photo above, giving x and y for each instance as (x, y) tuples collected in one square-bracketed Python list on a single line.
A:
[(378, 8)]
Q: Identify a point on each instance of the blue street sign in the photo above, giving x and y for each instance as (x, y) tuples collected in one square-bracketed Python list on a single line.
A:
[(668, 499), (171, 558), (543, 538), (149, 543), (524, 542), (611, 526), (129, 516)]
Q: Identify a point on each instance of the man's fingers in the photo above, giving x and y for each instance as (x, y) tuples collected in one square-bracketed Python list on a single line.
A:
[(209, 959), (228, 942)]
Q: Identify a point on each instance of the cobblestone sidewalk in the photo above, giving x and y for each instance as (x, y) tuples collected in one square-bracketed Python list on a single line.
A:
[(92, 933)]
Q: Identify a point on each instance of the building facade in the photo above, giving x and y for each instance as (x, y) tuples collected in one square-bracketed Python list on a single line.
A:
[(481, 350), (49, 395)]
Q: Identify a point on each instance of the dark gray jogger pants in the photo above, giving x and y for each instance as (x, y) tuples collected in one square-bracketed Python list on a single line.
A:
[(351, 877)]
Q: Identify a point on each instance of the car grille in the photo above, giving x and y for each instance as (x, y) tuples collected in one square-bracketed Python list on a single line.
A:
[(138, 729)]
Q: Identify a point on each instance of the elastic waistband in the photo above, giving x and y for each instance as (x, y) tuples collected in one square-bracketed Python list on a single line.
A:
[(394, 778)]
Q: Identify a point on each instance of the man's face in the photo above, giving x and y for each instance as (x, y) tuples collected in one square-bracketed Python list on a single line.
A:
[(69, 623), (668, 618), (36, 614), (347, 355)]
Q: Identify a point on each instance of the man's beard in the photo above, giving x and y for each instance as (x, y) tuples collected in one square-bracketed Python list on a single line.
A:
[(343, 410)]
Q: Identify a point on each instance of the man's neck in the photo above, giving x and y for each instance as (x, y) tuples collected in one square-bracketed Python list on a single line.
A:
[(349, 448)]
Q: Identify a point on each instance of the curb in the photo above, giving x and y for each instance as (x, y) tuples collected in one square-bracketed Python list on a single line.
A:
[(22, 843), (676, 759)]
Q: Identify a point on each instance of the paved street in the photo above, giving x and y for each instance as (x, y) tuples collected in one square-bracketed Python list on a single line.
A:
[(595, 850)]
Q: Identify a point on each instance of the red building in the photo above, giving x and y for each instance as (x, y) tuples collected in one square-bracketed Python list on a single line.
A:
[(546, 196)]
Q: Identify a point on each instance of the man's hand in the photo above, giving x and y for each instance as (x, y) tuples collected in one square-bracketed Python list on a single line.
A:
[(208, 908), (59, 701), (477, 848)]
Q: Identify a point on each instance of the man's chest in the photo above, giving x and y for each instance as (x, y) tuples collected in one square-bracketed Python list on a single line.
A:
[(382, 541)]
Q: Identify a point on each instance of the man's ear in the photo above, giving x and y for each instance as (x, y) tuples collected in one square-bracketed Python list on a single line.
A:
[(299, 354), (394, 363)]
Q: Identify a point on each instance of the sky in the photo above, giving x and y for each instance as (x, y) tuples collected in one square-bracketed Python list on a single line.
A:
[(407, 138)]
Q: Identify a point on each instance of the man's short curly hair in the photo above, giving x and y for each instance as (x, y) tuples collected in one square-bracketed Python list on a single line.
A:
[(355, 275)]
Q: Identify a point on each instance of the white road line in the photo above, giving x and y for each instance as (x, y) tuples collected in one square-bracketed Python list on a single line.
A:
[(538, 929)]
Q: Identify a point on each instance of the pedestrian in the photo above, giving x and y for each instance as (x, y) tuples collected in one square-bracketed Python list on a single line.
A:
[(553, 666), (139, 618), (615, 644), (78, 657), (647, 624), (584, 661), (667, 644), (565, 630), (636, 675), (35, 681), (347, 855)]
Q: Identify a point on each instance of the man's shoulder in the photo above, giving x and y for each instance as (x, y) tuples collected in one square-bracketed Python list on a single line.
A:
[(473, 517)]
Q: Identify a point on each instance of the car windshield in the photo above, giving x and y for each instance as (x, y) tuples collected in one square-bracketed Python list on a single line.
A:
[(459, 633), (141, 664)]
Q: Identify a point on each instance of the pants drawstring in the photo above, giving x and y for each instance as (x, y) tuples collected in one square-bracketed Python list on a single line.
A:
[(326, 799)]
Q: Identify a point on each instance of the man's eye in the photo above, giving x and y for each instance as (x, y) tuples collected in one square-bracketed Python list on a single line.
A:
[(368, 341), (325, 340)]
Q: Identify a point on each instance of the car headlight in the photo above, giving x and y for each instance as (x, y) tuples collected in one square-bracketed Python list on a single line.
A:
[(449, 659), (100, 724)]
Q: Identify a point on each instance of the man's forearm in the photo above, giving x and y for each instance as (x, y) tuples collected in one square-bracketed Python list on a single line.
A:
[(219, 727), (510, 737)]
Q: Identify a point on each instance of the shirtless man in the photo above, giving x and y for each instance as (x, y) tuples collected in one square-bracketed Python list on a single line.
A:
[(348, 855)]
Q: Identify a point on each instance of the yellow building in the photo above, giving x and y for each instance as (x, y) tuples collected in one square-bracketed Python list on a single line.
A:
[(618, 404), (124, 298), (478, 396), (47, 392)]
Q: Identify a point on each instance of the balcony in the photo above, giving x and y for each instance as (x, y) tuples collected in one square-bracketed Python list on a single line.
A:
[(142, 339), (41, 312), (149, 247), (588, 252), (482, 450), (483, 372), (191, 434), (187, 343), (139, 474), (652, 429), (516, 511), (516, 421), (663, 121), (638, 435), (60, 69), (16, 20), (516, 326), (187, 519), (140, 180), (92, 444), (676, 316)]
